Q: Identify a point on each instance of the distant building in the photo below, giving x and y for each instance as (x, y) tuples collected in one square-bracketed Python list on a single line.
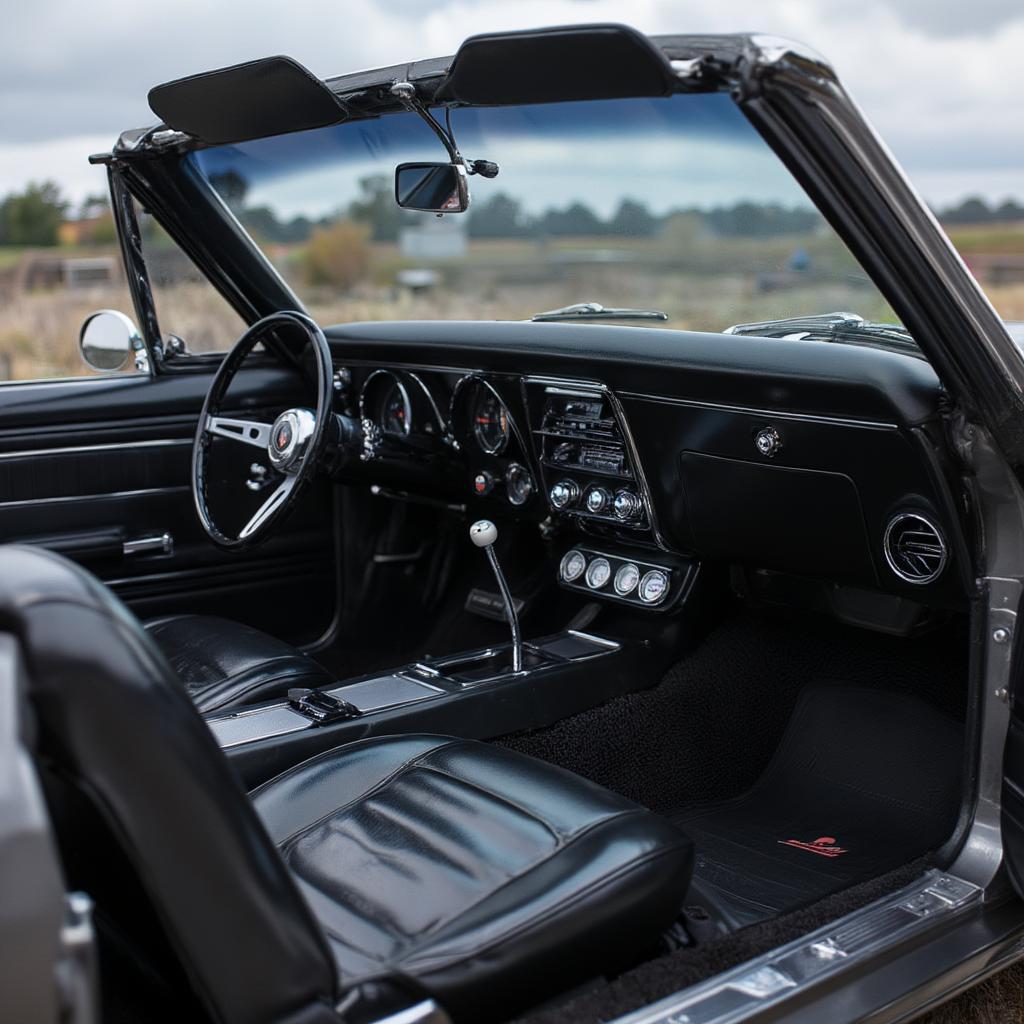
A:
[(434, 238)]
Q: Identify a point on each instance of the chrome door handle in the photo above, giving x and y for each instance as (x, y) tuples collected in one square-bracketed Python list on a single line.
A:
[(162, 544)]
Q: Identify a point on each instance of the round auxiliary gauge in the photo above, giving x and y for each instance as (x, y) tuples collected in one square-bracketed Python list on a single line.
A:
[(598, 573), (395, 415), (518, 484), (626, 579), (572, 565), (490, 421), (653, 587)]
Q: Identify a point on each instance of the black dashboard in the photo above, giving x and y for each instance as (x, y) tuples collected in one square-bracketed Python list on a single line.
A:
[(648, 447)]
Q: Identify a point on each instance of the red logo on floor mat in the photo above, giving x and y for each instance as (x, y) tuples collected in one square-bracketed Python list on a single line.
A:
[(823, 847)]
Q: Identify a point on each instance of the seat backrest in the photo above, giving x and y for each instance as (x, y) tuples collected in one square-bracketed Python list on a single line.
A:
[(116, 725)]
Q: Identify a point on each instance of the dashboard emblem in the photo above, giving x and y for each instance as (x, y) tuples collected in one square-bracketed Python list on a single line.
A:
[(768, 442)]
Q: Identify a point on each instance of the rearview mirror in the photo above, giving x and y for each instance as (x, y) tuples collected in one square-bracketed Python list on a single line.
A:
[(432, 188), (107, 340)]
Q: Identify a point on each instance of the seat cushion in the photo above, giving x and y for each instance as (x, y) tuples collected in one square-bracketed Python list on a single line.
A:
[(490, 878), (224, 663)]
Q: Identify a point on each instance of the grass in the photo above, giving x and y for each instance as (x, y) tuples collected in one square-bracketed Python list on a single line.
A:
[(688, 275)]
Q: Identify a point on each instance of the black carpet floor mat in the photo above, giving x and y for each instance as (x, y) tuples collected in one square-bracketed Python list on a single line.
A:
[(709, 729), (863, 780)]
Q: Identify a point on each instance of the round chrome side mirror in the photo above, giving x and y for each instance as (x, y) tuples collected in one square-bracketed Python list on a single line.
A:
[(108, 339)]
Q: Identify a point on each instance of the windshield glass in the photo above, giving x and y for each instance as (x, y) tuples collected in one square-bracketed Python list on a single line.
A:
[(671, 204)]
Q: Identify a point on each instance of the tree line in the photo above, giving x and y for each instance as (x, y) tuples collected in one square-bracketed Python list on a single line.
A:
[(33, 216)]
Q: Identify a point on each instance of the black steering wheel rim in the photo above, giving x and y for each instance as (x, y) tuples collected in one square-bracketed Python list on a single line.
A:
[(312, 437)]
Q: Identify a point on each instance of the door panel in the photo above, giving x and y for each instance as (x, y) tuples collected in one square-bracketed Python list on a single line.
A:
[(86, 466)]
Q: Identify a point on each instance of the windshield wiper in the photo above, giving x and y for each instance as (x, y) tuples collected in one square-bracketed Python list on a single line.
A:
[(848, 328), (595, 311)]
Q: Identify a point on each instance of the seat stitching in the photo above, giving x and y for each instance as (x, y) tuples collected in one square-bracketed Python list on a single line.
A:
[(372, 791), (427, 963)]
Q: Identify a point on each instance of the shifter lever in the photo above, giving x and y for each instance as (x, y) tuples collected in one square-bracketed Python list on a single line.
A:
[(483, 533)]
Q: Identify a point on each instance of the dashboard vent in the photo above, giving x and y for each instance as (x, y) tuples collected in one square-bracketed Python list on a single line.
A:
[(914, 548)]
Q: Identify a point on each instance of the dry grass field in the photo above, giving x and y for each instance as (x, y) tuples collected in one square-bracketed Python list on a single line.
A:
[(692, 278)]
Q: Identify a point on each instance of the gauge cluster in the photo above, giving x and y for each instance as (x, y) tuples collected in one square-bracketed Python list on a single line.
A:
[(601, 574)]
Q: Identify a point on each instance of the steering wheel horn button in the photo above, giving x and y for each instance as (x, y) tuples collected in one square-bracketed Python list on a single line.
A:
[(288, 437)]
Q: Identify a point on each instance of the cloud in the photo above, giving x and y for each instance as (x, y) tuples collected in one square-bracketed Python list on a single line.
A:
[(942, 80)]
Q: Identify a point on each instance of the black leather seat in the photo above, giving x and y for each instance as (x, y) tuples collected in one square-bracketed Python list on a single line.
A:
[(224, 663), (370, 878)]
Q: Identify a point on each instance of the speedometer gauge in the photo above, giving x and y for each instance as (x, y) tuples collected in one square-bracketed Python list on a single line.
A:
[(490, 422)]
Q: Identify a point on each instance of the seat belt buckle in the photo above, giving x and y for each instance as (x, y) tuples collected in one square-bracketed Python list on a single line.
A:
[(320, 707)]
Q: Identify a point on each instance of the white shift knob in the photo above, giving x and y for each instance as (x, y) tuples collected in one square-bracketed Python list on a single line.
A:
[(483, 533)]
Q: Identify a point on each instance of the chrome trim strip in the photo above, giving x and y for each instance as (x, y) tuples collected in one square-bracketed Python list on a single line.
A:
[(767, 413), (79, 449), (599, 640), (94, 497), (788, 972)]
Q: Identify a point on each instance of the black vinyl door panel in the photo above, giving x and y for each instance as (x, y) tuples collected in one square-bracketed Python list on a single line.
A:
[(99, 471)]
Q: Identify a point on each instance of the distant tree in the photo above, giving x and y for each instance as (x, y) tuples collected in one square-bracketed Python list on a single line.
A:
[(575, 219), (633, 219), (94, 206), (1009, 210), (761, 220), (32, 217), (338, 255), (971, 211), (376, 207), (501, 216)]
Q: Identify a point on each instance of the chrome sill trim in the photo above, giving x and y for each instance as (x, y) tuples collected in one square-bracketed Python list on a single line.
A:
[(808, 417), (791, 970), (94, 497), (79, 449)]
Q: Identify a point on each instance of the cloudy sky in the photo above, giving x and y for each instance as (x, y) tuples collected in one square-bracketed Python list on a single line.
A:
[(942, 80)]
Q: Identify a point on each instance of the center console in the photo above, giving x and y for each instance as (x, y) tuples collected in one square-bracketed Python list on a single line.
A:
[(477, 694)]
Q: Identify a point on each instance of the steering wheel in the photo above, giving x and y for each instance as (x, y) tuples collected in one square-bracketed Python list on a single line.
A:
[(293, 444)]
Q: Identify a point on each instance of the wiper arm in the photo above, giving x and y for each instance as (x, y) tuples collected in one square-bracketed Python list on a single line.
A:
[(595, 311), (845, 327)]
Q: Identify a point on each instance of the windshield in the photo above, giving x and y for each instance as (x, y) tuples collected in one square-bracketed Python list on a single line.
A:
[(672, 204)]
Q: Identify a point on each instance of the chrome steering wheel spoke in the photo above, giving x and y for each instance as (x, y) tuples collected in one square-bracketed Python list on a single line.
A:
[(277, 497), (244, 431)]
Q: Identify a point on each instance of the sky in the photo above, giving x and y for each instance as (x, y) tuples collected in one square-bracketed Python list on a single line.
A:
[(941, 80)]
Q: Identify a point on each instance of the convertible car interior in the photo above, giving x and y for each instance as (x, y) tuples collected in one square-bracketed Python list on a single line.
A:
[(485, 668)]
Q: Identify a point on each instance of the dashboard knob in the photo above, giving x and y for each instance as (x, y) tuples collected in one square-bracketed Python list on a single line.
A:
[(564, 493), (599, 500), (626, 506)]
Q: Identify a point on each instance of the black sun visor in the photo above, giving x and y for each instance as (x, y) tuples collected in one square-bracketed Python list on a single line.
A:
[(270, 96), (574, 62)]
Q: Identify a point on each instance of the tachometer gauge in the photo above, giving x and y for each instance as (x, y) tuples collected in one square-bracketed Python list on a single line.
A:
[(395, 414), (490, 422)]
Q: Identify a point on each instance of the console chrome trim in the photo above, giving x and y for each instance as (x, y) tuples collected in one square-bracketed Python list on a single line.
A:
[(788, 972)]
